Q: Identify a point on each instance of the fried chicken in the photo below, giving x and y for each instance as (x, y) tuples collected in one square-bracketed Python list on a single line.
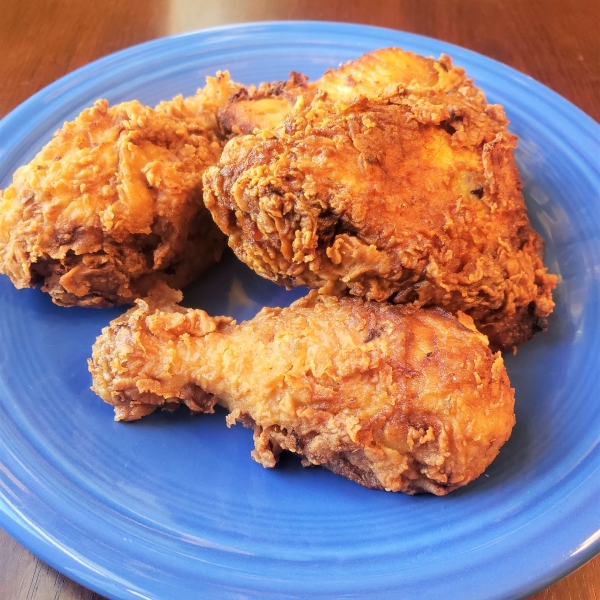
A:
[(376, 74), (410, 194), (253, 108), (113, 202), (392, 397)]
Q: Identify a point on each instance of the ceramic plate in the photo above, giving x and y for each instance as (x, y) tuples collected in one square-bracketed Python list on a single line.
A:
[(173, 506)]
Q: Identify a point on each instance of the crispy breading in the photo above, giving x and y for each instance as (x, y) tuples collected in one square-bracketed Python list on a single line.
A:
[(383, 72), (410, 195), (114, 201), (392, 397), (264, 106), (377, 74)]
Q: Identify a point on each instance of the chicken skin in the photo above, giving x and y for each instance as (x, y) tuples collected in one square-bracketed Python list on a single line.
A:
[(376, 74), (392, 397), (113, 202), (411, 195)]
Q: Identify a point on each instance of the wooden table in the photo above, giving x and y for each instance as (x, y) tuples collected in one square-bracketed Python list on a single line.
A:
[(556, 42)]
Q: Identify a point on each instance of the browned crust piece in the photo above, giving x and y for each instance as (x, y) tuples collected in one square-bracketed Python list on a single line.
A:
[(263, 107)]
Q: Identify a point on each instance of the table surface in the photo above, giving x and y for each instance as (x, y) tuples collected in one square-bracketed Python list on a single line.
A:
[(554, 41)]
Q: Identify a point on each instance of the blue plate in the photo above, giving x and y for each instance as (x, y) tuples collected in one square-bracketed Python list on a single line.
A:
[(173, 506)]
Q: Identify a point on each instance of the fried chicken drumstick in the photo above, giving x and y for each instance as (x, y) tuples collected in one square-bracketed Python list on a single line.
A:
[(114, 202), (409, 194), (392, 397)]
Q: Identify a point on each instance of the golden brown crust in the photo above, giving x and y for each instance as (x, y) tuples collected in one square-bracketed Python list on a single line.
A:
[(377, 74), (411, 195), (383, 72), (264, 106), (392, 397), (114, 202)]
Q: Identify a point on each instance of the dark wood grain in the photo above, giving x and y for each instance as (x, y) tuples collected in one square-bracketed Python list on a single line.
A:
[(555, 41)]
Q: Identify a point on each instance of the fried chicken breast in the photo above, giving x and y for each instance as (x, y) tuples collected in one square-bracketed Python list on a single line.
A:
[(410, 195), (392, 397), (113, 202)]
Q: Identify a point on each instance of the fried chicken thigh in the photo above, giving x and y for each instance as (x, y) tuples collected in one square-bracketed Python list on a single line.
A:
[(114, 202), (410, 195), (392, 397)]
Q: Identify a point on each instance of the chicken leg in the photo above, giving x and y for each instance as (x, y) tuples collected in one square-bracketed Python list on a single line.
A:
[(392, 397)]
